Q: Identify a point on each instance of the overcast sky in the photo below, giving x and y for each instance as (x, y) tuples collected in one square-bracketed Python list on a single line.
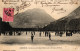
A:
[(55, 14)]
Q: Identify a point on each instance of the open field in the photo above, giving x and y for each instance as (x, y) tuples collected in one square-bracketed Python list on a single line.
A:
[(26, 39)]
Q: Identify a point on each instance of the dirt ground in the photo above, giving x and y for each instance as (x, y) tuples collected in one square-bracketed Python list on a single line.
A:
[(26, 39), (24, 43)]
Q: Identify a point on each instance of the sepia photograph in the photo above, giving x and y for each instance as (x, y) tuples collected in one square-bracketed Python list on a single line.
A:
[(35, 25)]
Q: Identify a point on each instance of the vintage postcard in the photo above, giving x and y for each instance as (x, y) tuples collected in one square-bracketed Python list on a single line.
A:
[(39, 25)]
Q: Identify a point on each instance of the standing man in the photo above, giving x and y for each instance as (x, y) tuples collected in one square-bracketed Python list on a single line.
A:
[(32, 37), (49, 36)]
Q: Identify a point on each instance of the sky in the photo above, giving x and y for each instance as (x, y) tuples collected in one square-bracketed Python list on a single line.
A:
[(55, 12)]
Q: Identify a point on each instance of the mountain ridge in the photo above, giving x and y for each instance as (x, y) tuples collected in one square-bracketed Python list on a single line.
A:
[(31, 18), (69, 22)]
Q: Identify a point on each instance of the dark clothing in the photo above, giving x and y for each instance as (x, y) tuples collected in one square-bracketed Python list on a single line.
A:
[(68, 33), (10, 33), (32, 37), (4, 33), (26, 32), (40, 34), (46, 34), (61, 34), (49, 36)]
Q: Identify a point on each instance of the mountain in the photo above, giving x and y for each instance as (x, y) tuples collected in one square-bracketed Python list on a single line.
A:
[(73, 15), (32, 18), (69, 22)]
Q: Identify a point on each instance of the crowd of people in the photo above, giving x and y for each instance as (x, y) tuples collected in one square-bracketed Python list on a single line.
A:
[(46, 34)]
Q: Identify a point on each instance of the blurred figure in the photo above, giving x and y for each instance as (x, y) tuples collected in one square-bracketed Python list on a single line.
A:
[(68, 33), (26, 32), (10, 33), (19, 33), (56, 33), (61, 34), (32, 37), (46, 34), (40, 34), (49, 36)]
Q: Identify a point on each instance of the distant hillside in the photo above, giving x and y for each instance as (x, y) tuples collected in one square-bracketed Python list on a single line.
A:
[(31, 18), (70, 22)]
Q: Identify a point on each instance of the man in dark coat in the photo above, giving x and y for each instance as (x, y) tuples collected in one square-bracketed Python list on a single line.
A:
[(32, 37), (49, 36)]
